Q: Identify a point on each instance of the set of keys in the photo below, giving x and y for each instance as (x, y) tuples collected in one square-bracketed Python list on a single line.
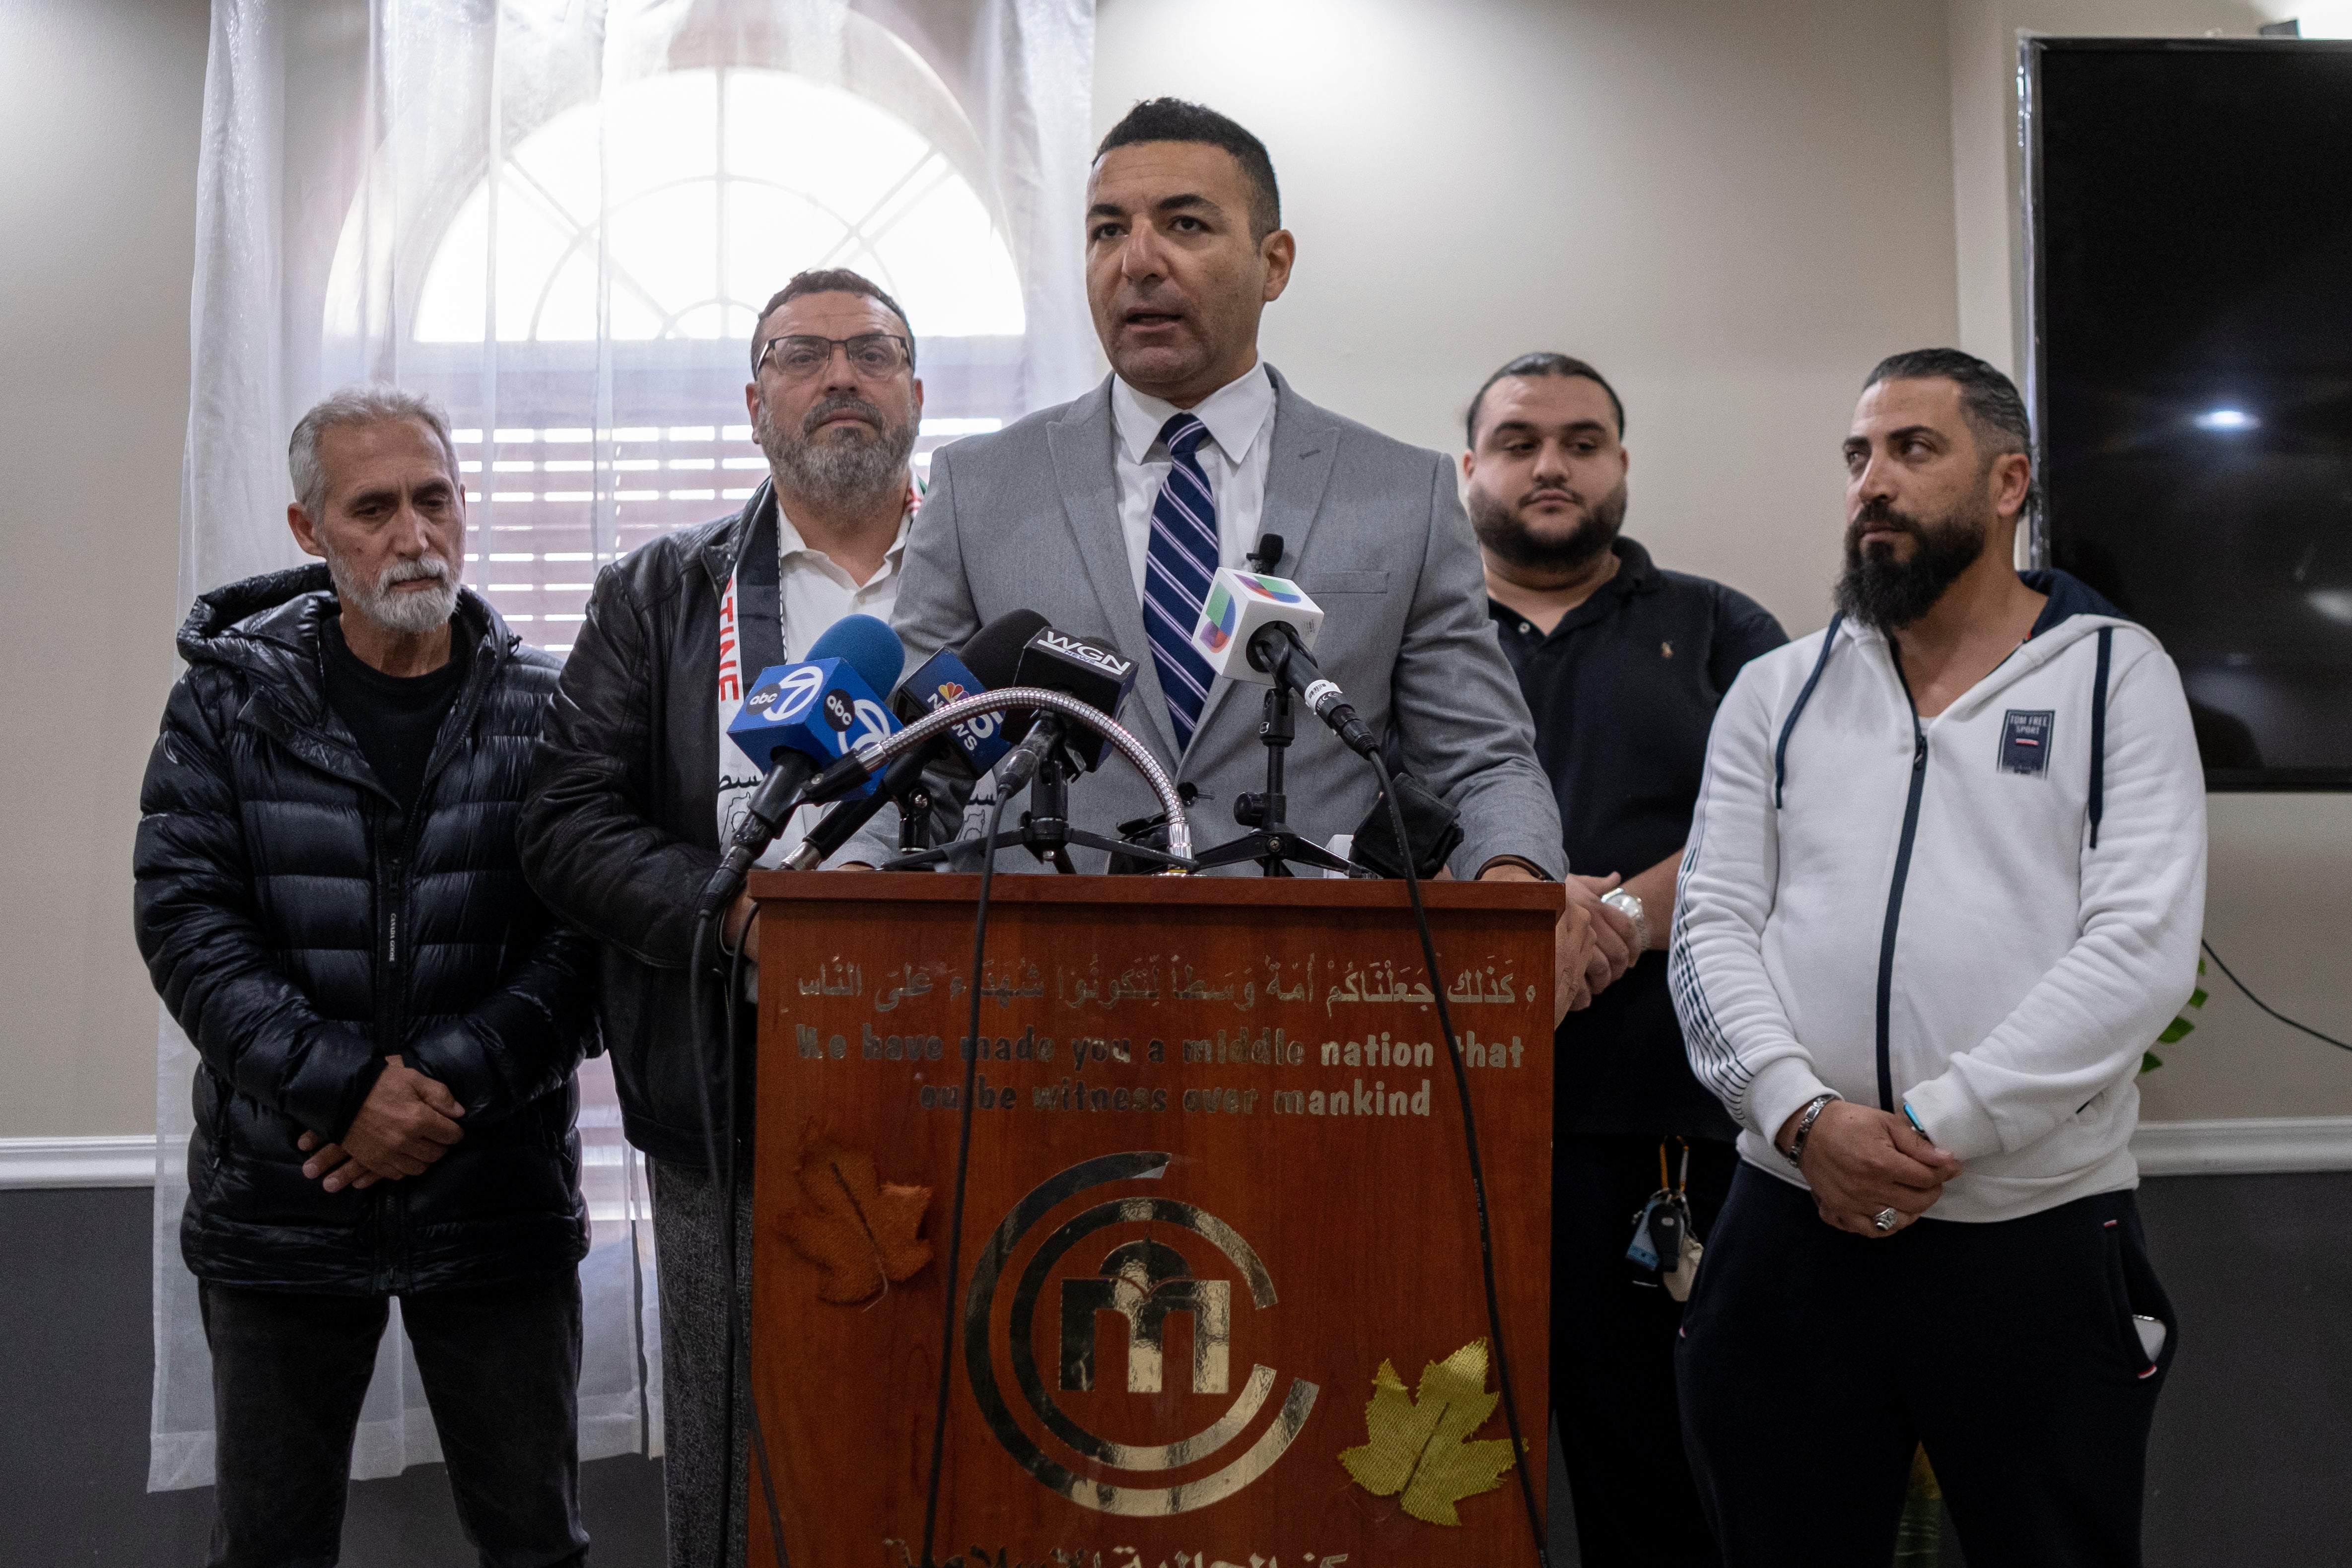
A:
[(1664, 1239)]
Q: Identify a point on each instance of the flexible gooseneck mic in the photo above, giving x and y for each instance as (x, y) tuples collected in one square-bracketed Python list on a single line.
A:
[(1100, 677), (987, 662), (1163, 789)]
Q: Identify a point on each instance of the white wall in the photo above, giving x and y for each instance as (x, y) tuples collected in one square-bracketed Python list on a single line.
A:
[(1734, 206), (99, 107), (2281, 898), (1734, 209)]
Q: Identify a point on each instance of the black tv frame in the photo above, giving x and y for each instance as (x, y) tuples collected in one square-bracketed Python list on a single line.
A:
[(2030, 52)]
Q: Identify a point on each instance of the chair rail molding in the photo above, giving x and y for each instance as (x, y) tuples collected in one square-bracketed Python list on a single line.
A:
[(113, 1160), (2237, 1146)]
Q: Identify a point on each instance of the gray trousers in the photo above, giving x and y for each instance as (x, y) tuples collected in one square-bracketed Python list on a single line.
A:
[(703, 1455)]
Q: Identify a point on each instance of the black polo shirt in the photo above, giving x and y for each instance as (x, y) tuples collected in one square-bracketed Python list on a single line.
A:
[(1624, 691)]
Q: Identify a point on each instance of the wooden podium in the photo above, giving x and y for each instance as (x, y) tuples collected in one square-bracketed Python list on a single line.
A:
[(1217, 1179)]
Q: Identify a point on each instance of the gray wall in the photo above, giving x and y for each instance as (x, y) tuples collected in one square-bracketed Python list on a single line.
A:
[(99, 107), (2280, 900)]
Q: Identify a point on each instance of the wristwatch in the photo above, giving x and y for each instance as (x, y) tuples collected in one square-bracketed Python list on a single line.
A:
[(1629, 905)]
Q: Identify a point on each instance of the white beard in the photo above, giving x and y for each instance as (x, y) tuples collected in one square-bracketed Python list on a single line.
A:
[(411, 612)]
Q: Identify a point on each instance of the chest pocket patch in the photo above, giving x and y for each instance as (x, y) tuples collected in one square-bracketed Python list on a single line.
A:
[(2025, 740)]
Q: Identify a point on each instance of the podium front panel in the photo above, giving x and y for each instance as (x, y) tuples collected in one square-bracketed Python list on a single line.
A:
[(1217, 1179)]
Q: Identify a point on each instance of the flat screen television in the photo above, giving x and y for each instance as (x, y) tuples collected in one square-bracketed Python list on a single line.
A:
[(2190, 221)]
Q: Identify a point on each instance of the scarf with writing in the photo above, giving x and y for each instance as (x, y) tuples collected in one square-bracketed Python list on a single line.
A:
[(752, 638)]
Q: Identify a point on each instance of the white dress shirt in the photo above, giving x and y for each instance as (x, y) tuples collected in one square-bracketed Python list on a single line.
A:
[(1233, 457), (817, 591)]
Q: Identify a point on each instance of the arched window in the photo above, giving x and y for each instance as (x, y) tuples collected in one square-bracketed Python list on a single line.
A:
[(695, 194), (587, 306)]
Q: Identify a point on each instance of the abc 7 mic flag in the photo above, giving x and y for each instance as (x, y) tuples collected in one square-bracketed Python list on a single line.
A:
[(1240, 605), (820, 709)]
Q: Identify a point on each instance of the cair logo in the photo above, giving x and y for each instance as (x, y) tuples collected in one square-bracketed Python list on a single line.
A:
[(1137, 1266)]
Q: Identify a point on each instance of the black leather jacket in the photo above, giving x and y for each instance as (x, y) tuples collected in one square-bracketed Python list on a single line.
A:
[(300, 929), (620, 833)]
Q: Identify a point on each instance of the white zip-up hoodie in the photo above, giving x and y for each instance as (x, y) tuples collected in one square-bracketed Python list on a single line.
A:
[(1990, 913)]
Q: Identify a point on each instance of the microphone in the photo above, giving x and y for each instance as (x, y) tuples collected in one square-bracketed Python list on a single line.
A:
[(797, 719), (1097, 674), (1262, 629), (988, 659)]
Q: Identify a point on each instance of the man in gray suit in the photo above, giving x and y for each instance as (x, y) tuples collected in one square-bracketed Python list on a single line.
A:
[(1110, 515)]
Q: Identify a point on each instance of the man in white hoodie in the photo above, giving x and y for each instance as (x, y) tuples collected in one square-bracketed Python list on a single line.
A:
[(1945, 885)]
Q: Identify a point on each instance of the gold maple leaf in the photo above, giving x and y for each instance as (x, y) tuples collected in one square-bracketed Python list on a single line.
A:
[(860, 1231), (1421, 1443)]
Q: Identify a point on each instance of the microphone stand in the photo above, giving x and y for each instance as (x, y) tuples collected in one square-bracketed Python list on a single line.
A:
[(1045, 831), (1272, 845), (915, 821)]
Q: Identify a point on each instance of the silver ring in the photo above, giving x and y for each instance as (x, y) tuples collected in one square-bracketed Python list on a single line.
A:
[(1883, 1219)]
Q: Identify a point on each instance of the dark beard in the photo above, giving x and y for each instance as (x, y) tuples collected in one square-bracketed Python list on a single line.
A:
[(841, 470), (1501, 529), (1879, 591)]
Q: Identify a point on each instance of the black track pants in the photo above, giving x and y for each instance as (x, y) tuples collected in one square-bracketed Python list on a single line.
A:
[(1812, 1361), (1613, 1353), (501, 1368)]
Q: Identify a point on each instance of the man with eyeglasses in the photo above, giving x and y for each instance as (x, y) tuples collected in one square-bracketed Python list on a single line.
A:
[(636, 785)]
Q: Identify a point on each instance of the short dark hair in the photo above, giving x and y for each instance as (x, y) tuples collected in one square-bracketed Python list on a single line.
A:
[(1988, 400), (828, 280), (1174, 120), (1543, 364)]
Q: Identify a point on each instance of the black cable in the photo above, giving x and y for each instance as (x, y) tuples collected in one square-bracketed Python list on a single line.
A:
[(722, 1180), (963, 1163), (739, 1310), (1477, 1172), (2265, 1006)]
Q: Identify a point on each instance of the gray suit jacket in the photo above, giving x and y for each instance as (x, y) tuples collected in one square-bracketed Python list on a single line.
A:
[(1028, 518)]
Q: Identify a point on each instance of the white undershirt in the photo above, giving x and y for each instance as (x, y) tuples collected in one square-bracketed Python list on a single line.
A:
[(1233, 458), (818, 590)]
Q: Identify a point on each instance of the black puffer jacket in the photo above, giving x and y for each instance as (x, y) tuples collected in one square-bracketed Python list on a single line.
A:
[(620, 833), (300, 929)]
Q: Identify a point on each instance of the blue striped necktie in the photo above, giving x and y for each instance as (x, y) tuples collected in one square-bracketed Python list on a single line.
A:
[(1176, 570)]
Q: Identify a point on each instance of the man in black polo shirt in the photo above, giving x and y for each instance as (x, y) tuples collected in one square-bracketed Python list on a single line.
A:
[(1622, 664)]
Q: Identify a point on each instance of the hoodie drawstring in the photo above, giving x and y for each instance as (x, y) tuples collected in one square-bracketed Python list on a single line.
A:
[(1780, 751), (2099, 732)]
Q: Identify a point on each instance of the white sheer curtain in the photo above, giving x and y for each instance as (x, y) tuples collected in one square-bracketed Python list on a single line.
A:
[(560, 217)]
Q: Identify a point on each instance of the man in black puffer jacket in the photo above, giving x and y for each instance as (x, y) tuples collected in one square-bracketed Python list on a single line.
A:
[(331, 903)]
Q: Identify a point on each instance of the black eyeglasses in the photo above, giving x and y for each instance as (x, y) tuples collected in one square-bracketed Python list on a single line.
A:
[(798, 356)]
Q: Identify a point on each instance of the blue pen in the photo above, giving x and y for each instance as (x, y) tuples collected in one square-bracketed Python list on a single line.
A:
[(1913, 1117)]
